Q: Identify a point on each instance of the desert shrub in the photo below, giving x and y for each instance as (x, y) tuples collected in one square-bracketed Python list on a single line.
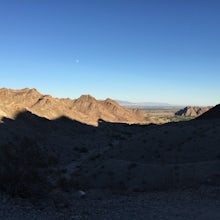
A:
[(94, 176), (53, 160), (63, 184), (121, 185), (81, 149), (111, 173), (95, 156), (132, 165), (22, 169), (119, 136)]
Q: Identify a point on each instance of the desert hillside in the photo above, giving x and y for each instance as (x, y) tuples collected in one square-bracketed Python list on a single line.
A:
[(85, 109), (157, 157), (117, 155), (57, 159), (192, 111)]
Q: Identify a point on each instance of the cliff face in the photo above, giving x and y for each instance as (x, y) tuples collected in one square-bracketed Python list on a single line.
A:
[(85, 109)]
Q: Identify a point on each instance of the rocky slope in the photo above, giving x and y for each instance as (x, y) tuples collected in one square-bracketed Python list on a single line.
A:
[(192, 111), (85, 109), (154, 157), (120, 156), (55, 156), (212, 114), (199, 204)]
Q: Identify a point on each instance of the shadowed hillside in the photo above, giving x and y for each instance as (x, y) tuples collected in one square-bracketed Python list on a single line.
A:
[(213, 114), (112, 155), (157, 157)]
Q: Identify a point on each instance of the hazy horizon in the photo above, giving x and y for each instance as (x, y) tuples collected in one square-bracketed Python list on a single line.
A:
[(136, 51)]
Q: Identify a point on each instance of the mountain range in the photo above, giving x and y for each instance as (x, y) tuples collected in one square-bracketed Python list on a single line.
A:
[(85, 109)]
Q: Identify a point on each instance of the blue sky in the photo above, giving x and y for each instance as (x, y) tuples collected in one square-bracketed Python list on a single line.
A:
[(134, 50)]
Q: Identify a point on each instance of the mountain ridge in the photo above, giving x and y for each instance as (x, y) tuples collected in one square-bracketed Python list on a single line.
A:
[(85, 109), (193, 111)]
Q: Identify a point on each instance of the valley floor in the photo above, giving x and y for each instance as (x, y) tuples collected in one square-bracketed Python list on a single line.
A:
[(197, 204)]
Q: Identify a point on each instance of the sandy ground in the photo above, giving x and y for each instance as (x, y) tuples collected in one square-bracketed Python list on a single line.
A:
[(196, 204)]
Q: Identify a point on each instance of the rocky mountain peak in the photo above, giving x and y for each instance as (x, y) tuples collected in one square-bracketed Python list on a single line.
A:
[(192, 111), (85, 109), (86, 98)]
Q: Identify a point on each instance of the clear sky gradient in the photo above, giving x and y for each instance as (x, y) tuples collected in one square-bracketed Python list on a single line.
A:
[(134, 50)]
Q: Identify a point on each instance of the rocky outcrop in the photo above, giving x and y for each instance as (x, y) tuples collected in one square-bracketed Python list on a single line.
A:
[(192, 111)]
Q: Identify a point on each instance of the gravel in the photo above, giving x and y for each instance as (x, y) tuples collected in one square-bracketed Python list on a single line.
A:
[(197, 204)]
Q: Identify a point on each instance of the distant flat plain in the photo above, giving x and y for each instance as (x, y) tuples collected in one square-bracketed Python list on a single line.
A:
[(166, 114)]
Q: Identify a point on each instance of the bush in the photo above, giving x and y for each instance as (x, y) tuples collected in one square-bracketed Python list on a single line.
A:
[(22, 169)]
